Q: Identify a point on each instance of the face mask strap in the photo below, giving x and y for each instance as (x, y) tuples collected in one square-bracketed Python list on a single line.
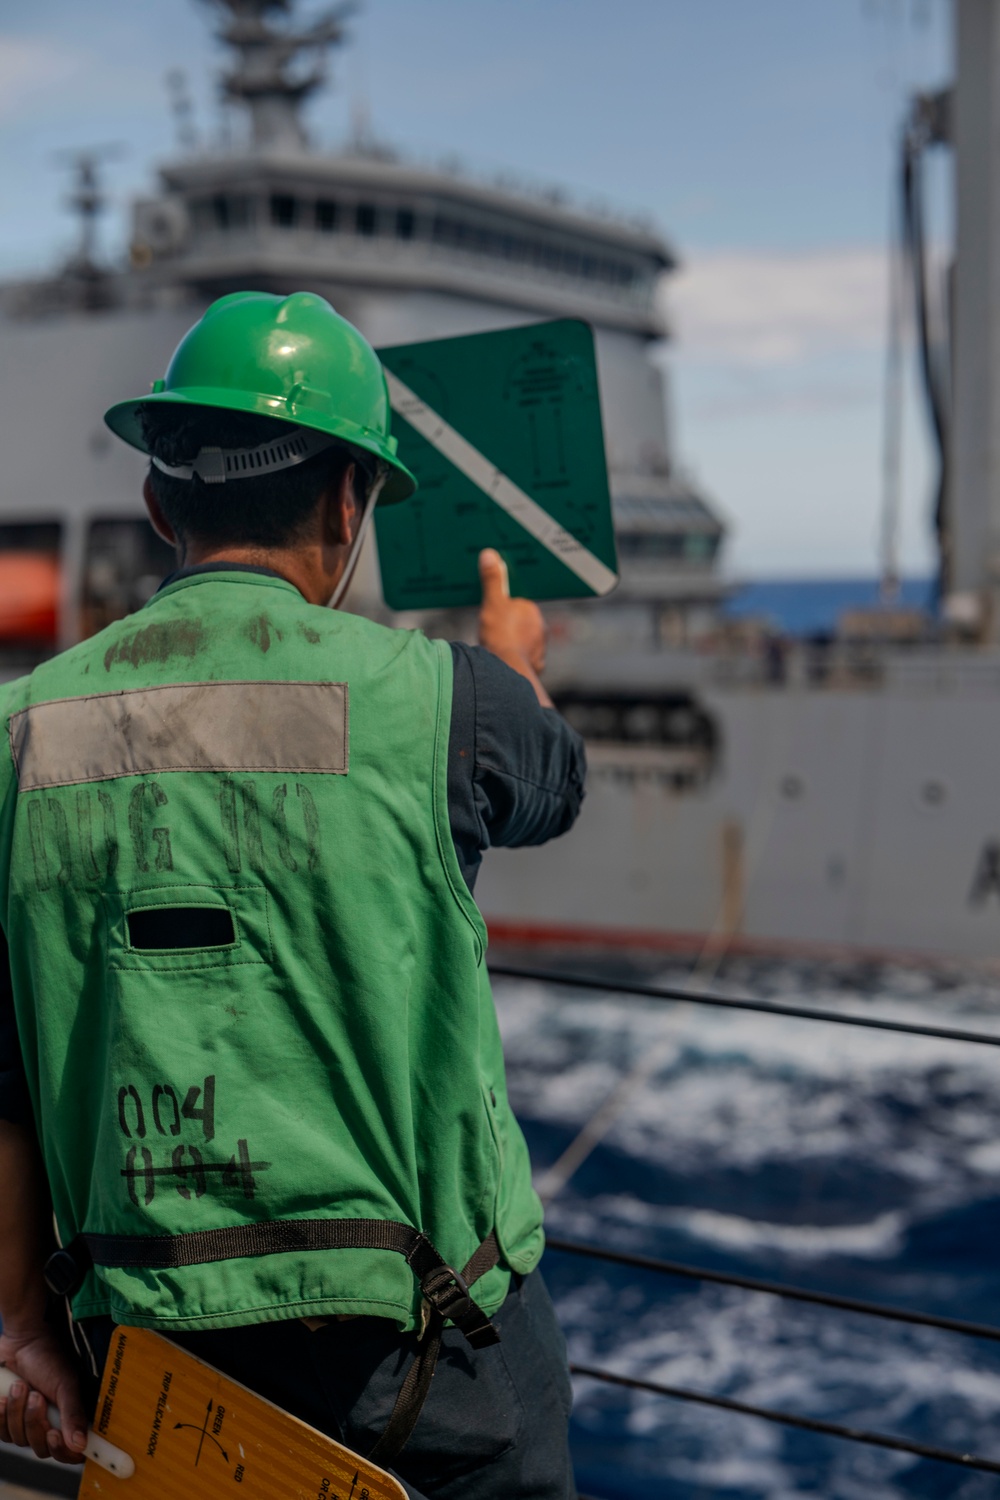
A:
[(352, 557)]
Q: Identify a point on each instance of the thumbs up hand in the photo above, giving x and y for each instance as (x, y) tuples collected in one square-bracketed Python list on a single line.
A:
[(512, 629)]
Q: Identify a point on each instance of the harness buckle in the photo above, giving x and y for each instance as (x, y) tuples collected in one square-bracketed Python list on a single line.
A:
[(448, 1293)]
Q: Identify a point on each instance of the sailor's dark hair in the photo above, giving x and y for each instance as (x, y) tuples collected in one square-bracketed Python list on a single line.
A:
[(269, 510)]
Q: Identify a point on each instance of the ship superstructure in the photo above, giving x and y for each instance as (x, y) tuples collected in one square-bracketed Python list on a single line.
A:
[(404, 251), (742, 790)]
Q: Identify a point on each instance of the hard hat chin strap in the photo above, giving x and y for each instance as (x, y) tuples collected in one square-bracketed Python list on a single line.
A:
[(359, 536)]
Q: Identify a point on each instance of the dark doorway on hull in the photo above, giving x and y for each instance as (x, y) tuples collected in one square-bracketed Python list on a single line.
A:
[(669, 736)]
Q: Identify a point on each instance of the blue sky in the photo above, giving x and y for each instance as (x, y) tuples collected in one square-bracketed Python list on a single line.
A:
[(758, 134)]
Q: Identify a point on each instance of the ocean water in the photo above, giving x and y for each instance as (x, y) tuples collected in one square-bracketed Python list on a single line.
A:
[(862, 1163), (813, 606)]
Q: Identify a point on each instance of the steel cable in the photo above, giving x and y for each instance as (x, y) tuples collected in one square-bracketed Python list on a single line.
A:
[(764, 1007), (776, 1289), (790, 1419)]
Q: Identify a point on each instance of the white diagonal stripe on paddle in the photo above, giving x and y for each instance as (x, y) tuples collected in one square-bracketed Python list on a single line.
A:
[(485, 474)]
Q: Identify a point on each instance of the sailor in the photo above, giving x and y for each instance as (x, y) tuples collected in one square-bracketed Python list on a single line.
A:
[(248, 1041)]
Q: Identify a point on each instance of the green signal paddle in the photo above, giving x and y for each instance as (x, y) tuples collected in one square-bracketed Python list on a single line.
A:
[(503, 432)]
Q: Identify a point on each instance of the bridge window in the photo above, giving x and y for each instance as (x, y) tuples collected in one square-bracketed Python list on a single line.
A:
[(223, 211), (560, 260), (284, 210), (406, 223), (650, 546), (365, 218), (326, 215)]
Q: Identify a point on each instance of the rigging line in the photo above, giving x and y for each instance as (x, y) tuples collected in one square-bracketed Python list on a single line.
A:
[(764, 1007), (776, 1289), (595, 1128), (741, 859), (928, 125), (892, 412), (790, 1419), (913, 211)]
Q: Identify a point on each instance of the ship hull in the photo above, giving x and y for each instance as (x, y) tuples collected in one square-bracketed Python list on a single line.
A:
[(866, 820)]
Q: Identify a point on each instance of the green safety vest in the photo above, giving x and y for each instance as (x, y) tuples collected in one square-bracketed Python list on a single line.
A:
[(249, 978)]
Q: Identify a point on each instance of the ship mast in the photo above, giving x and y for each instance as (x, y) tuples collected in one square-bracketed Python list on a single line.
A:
[(263, 77), (83, 277)]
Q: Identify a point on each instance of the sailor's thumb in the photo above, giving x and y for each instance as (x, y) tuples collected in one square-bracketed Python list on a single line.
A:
[(493, 576)]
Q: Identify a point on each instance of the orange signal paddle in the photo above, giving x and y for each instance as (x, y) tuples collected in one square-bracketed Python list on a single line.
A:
[(176, 1429)]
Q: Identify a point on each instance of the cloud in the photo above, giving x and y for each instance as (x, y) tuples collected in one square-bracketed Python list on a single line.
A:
[(29, 65), (753, 309), (815, 396)]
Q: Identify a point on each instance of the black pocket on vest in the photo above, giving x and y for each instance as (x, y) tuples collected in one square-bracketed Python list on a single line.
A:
[(181, 927)]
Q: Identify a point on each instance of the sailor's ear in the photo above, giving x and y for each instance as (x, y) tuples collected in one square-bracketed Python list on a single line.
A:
[(158, 520), (342, 511)]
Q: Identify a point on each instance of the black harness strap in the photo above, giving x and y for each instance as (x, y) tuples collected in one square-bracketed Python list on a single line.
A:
[(410, 1400), (446, 1290), (413, 1391), (165, 1252), (484, 1259)]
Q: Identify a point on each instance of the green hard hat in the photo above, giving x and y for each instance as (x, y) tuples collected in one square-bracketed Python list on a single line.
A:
[(292, 358)]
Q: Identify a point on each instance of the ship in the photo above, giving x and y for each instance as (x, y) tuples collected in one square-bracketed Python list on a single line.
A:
[(745, 792)]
